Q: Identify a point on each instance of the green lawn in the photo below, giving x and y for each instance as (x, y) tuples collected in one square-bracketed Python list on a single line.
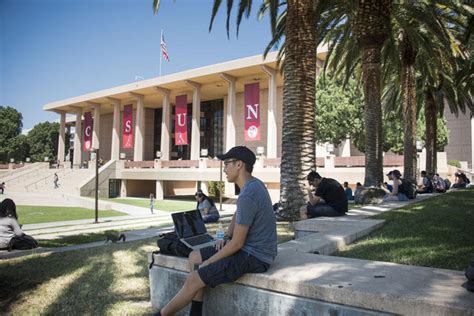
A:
[(436, 233), (109, 280), (165, 205), (28, 214)]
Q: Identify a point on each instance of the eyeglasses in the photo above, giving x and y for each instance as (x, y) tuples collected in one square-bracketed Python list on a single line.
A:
[(229, 161)]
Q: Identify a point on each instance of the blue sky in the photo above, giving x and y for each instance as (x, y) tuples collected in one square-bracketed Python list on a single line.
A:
[(55, 49)]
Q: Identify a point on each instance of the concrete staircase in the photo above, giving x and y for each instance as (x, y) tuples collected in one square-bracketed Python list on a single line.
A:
[(40, 179)]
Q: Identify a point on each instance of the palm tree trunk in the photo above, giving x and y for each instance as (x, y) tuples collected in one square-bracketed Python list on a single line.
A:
[(371, 28), (299, 108), (409, 107), (431, 131)]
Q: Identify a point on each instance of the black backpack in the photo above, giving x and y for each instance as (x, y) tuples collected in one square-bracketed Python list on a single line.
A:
[(170, 245), (409, 189)]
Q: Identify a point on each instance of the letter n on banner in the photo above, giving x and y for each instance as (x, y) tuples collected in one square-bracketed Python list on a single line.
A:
[(127, 131), (181, 120), (252, 111), (87, 131)]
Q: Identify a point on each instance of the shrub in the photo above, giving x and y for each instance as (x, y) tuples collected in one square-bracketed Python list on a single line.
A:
[(455, 163), (215, 188)]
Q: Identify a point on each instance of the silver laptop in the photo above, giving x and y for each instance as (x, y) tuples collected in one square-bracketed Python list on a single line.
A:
[(191, 230)]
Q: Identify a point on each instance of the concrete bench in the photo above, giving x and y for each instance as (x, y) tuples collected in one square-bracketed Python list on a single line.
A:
[(303, 283)]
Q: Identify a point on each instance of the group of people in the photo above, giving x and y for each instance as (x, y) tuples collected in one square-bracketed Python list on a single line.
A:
[(11, 235)]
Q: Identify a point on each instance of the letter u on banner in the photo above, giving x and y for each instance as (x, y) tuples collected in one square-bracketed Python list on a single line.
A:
[(252, 111), (181, 120), (127, 131), (87, 131)]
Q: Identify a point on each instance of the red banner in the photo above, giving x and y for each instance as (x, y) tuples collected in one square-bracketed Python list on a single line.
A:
[(127, 131), (181, 120), (87, 141), (252, 111)]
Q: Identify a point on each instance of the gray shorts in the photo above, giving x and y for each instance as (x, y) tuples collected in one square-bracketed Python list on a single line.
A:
[(230, 268)]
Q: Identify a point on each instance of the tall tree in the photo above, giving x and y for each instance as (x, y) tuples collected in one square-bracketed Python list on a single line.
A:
[(299, 69), (11, 125), (43, 141), (371, 26)]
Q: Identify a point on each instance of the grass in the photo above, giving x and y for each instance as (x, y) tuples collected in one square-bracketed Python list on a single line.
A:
[(110, 280), (435, 233), (165, 205), (96, 281), (30, 214)]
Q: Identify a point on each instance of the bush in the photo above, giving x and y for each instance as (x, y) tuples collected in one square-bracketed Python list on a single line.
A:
[(215, 188), (455, 163)]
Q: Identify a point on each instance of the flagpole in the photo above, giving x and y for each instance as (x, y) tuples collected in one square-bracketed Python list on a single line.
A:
[(161, 55)]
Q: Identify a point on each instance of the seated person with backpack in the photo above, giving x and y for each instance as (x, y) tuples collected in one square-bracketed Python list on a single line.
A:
[(439, 184), (11, 235), (328, 200), (398, 192), (206, 207), (426, 185)]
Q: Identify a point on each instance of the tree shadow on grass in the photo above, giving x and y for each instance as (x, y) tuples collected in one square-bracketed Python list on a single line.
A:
[(95, 278)]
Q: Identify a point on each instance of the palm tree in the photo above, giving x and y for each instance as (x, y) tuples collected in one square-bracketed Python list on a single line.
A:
[(299, 90)]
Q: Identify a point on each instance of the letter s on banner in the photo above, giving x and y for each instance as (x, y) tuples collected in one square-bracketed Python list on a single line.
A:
[(252, 111), (127, 131), (87, 131)]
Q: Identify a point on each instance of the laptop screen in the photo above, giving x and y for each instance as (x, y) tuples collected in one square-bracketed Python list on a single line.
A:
[(188, 224)]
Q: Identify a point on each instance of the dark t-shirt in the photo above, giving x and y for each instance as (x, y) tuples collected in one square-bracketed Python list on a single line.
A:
[(333, 194)]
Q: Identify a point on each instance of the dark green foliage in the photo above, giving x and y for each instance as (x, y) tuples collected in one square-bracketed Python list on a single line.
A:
[(43, 139), (11, 125)]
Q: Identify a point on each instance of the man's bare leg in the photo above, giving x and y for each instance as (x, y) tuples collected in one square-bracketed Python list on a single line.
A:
[(193, 260), (190, 288)]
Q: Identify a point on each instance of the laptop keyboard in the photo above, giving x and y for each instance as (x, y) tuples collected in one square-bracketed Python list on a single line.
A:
[(197, 240)]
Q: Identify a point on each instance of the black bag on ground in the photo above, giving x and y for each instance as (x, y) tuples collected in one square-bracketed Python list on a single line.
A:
[(409, 189), (24, 242), (170, 245)]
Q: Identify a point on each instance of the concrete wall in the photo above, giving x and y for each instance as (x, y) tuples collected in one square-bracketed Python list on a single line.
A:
[(460, 141), (141, 188), (107, 171), (236, 299), (180, 188)]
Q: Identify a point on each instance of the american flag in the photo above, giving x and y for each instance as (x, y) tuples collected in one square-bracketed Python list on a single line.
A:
[(164, 51)]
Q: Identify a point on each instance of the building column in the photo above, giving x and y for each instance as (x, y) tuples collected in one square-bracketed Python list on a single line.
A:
[(138, 148), (231, 97), (96, 127), (77, 160), (165, 124), (61, 145), (272, 107), (160, 190), (115, 147), (195, 128)]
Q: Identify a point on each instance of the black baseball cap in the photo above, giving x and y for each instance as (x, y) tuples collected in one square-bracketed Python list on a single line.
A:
[(240, 153)]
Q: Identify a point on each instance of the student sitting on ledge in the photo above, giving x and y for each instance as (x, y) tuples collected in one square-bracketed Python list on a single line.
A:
[(328, 200)]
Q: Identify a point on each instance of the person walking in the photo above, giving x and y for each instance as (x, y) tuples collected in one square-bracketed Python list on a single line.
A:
[(152, 202), (56, 181)]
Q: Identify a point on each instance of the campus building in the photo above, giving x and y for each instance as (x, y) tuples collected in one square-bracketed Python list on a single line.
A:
[(160, 135)]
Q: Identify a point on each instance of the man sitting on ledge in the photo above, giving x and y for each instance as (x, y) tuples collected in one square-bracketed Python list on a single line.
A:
[(253, 244), (328, 200)]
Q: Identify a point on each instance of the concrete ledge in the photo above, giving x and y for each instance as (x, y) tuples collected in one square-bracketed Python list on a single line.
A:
[(367, 286), (327, 235)]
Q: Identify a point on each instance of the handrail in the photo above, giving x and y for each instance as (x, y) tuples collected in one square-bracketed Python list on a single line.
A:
[(27, 187), (27, 172)]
